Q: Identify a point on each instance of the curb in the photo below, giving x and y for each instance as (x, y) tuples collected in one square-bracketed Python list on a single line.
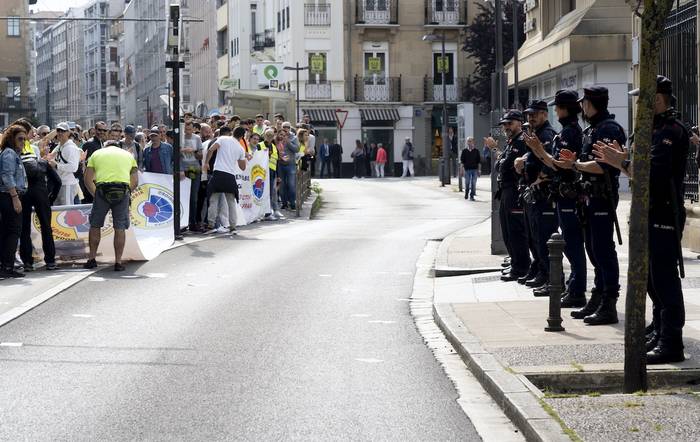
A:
[(513, 393), (441, 272)]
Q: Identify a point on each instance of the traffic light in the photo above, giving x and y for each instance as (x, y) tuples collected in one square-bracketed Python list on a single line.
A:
[(174, 28)]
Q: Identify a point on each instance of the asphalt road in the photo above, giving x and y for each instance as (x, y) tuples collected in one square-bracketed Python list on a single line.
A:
[(298, 330)]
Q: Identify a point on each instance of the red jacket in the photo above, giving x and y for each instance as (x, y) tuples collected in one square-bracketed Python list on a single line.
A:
[(381, 155)]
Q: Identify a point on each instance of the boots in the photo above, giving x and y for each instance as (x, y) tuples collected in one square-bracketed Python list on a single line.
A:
[(573, 300), (591, 306), (605, 314)]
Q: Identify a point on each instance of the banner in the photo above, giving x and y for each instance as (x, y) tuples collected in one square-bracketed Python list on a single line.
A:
[(151, 218), (253, 189)]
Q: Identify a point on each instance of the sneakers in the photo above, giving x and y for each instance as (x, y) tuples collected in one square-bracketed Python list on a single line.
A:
[(279, 214), (90, 264), (51, 266), (233, 231), (272, 217), (119, 267), (222, 229), (209, 230), (28, 268), (11, 273)]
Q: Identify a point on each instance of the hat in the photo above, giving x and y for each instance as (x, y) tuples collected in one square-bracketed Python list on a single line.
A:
[(155, 129), (536, 105), (71, 124), (663, 86), (63, 126), (512, 115), (130, 130), (594, 93), (565, 98)]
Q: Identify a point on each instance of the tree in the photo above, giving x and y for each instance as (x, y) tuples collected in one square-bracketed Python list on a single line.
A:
[(480, 45), (653, 22)]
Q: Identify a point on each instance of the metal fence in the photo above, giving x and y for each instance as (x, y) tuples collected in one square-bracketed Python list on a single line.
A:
[(303, 189), (679, 62)]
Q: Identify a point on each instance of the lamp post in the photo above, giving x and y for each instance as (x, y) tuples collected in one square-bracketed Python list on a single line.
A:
[(444, 164), (297, 69)]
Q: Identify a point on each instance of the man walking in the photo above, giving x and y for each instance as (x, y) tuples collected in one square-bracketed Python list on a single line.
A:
[(111, 175), (325, 154), (470, 160), (407, 158), (336, 158)]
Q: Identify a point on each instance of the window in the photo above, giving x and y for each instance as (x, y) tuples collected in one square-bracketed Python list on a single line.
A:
[(279, 22), (13, 26), (317, 68), (289, 23), (14, 88)]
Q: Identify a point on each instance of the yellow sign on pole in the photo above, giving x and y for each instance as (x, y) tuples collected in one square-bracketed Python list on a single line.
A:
[(374, 65), (443, 65), (318, 64)]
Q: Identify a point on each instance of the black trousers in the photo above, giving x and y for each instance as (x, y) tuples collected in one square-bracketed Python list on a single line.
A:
[(38, 200), (326, 166), (201, 202), (336, 163), (532, 223), (10, 228), (513, 230)]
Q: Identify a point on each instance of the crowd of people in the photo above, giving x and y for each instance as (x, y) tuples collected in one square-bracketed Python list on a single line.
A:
[(41, 167), (569, 180)]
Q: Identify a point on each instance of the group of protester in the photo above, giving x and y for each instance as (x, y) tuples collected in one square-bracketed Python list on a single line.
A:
[(43, 167), (569, 180)]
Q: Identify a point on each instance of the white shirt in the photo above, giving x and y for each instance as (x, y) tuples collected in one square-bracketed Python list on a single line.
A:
[(205, 148), (67, 162), (228, 154), (311, 145)]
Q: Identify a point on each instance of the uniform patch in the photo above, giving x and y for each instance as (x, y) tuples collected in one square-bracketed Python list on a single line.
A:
[(667, 141)]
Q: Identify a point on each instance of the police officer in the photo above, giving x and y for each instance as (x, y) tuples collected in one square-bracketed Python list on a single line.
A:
[(599, 187), (564, 192), (669, 153), (510, 210), (539, 210)]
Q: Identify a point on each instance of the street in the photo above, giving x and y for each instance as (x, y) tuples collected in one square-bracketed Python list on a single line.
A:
[(299, 330)]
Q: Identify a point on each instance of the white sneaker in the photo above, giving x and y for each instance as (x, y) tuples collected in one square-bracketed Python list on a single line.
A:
[(279, 215), (222, 229), (272, 217)]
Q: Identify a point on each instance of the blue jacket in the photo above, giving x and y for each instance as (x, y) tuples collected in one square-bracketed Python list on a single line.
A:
[(166, 158), (12, 172)]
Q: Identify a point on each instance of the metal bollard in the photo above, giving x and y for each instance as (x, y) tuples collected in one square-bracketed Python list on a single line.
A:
[(556, 276)]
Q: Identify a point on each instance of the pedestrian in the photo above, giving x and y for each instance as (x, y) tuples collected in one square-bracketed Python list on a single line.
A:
[(373, 160), (310, 150), (669, 154), (453, 145), (13, 184), (111, 176), (565, 192), (259, 127), (510, 210), (229, 154), (130, 144), (43, 185), (336, 153), (286, 167), (191, 164), (95, 143), (358, 158), (65, 158), (600, 189), (485, 160), (304, 151), (269, 146), (158, 156), (206, 135), (325, 154), (470, 159), (407, 158), (367, 159), (381, 160)]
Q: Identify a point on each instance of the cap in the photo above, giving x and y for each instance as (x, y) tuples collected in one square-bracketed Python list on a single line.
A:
[(594, 93), (155, 129), (512, 115), (63, 126), (663, 86), (71, 124), (536, 105), (131, 130), (565, 98)]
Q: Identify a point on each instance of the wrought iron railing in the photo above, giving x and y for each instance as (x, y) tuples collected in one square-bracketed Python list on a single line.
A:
[(21, 103), (264, 40), (318, 91), (433, 91), (377, 12), (317, 14), (445, 12), (377, 89)]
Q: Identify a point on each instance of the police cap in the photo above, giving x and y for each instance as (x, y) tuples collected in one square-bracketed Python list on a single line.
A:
[(512, 115), (536, 105), (663, 86), (565, 98), (594, 93)]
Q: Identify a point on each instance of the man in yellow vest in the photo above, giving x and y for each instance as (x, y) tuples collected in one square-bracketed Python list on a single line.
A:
[(268, 144)]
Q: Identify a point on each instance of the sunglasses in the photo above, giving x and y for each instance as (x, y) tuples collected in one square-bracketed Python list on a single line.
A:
[(101, 130), (60, 131)]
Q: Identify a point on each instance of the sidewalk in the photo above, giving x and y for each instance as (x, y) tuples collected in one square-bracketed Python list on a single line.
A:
[(551, 382)]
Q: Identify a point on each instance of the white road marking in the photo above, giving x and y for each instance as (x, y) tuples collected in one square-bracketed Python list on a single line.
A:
[(325, 276), (96, 279), (157, 275), (81, 315), (130, 276), (10, 344), (369, 360)]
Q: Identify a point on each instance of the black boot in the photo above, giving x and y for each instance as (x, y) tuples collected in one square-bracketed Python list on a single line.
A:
[(605, 314), (662, 354), (573, 300), (541, 291), (537, 281), (531, 273), (652, 340), (591, 305)]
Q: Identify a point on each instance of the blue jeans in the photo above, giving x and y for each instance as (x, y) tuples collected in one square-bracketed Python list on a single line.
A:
[(470, 176), (288, 188)]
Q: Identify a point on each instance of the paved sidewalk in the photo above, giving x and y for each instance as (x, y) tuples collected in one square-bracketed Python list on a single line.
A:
[(500, 328)]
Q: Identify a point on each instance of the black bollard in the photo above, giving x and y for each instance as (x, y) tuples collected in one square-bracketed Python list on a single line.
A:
[(556, 276)]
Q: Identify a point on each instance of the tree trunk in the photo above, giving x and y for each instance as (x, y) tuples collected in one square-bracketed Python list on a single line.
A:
[(653, 22)]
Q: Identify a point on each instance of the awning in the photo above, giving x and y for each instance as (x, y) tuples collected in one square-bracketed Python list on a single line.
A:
[(379, 114), (320, 114)]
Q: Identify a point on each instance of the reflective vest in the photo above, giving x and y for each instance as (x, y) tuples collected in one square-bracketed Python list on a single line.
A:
[(274, 155)]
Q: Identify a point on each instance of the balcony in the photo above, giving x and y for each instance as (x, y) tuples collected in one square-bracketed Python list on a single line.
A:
[(433, 91), (445, 13), (377, 12), (264, 40), (317, 15), (377, 89), (17, 104), (318, 91)]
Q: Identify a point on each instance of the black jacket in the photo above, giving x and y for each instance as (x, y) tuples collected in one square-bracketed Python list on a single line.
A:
[(92, 146), (470, 159), (335, 152)]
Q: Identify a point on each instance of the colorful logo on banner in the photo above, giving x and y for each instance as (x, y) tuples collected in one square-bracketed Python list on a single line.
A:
[(151, 206), (70, 225), (257, 178)]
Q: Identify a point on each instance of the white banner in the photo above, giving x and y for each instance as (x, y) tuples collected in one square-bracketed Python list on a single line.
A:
[(150, 232), (253, 189)]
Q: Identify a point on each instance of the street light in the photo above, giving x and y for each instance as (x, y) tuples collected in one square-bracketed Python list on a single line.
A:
[(444, 172), (297, 69)]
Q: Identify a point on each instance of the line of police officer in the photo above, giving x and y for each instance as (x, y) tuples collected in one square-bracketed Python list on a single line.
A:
[(570, 181)]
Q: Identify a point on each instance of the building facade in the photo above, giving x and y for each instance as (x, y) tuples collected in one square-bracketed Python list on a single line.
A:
[(204, 95), (15, 71)]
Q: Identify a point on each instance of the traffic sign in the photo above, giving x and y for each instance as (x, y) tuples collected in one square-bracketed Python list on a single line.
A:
[(341, 116)]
